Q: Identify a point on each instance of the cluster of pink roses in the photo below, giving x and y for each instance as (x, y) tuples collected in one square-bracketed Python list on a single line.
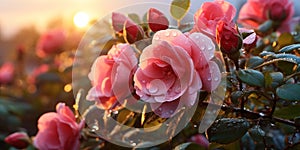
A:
[(168, 73)]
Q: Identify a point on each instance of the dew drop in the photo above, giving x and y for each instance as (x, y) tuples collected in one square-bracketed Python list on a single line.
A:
[(209, 79), (202, 47), (159, 109), (216, 78), (143, 81), (156, 38), (115, 112), (171, 111), (195, 126), (167, 34), (197, 37), (174, 34), (210, 48)]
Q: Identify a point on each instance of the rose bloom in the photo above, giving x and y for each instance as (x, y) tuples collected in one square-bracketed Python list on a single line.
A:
[(210, 13), (7, 73), (256, 12), (58, 131), (111, 76), (19, 140), (173, 69), (51, 42), (228, 37)]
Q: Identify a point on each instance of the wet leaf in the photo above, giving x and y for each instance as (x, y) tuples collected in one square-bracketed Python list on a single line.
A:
[(252, 77), (254, 62), (289, 112), (257, 133), (227, 130), (289, 92), (179, 8), (289, 48)]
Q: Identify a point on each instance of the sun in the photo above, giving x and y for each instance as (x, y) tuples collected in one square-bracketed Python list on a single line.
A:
[(81, 19)]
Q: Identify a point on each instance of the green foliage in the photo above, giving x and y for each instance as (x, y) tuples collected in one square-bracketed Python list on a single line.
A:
[(227, 130), (289, 112), (251, 77), (289, 92), (179, 8)]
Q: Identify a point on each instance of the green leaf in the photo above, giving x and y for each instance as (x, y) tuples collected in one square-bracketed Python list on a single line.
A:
[(289, 92), (227, 130), (189, 146), (289, 112), (251, 77), (289, 48), (254, 62), (179, 8), (135, 18), (257, 133), (283, 40)]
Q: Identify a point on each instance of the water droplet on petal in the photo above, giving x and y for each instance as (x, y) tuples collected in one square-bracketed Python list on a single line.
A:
[(156, 38), (159, 109), (167, 34), (174, 34), (210, 48), (171, 111), (209, 79), (202, 47), (197, 37), (216, 79)]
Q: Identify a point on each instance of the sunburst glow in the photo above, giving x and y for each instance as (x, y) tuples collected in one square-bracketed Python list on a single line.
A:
[(81, 19)]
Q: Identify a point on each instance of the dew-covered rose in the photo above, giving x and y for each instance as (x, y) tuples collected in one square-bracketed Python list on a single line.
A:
[(58, 130), (256, 12), (111, 76), (172, 70), (210, 13), (51, 42), (7, 71)]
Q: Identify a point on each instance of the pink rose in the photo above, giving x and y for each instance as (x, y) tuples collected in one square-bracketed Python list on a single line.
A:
[(51, 42), (132, 31), (111, 76), (210, 13), (200, 48), (171, 70), (19, 140), (256, 12), (228, 38), (58, 131), (157, 20), (7, 73)]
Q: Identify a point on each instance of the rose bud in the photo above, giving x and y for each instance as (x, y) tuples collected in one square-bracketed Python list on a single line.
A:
[(118, 21), (228, 39), (200, 140), (132, 32), (123, 25), (157, 20), (19, 140), (51, 42), (7, 73)]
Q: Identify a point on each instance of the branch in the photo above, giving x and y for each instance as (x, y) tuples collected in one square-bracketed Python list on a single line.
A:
[(252, 115)]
